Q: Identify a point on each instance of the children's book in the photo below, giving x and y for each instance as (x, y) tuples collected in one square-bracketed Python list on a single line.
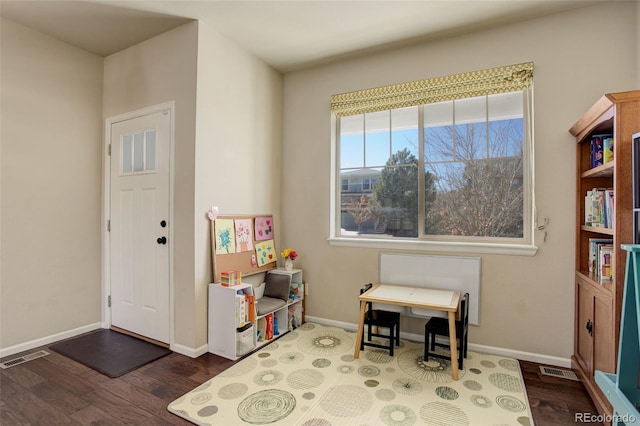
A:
[(269, 329)]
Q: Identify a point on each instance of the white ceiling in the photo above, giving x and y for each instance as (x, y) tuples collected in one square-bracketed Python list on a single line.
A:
[(287, 34)]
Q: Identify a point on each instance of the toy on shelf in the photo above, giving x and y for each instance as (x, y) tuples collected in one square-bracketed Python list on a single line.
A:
[(231, 278)]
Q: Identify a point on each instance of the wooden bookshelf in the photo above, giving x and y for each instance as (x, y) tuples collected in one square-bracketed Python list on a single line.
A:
[(598, 302)]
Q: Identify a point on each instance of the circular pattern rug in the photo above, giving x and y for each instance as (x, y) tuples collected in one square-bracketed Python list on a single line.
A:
[(314, 380)]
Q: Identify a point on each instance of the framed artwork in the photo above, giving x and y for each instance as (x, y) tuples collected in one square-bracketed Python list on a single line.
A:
[(244, 235), (264, 228), (225, 236), (265, 252), (237, 245)]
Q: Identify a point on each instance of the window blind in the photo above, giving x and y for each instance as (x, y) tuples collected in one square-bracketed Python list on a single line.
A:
[(503, 79)]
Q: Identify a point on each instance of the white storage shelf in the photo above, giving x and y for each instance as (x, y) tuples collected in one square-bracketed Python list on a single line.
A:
[(223, 330)]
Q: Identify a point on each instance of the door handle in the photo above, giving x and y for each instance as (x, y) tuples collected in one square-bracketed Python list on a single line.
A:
[(162, 240)]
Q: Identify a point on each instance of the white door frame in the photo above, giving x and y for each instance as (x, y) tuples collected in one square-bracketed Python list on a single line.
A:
[(106, 191)]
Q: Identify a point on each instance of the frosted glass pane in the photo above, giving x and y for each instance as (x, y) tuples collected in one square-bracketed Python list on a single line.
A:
[(126, 154), (150, 152), (377, 139), (438, 132), (471, 110), (352, 141), (438, 114), (138, 152), (506, 106), (404, 130)]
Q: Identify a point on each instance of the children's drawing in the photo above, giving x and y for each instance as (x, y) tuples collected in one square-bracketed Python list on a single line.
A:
[(225, 236), (264, 228), (266, 252), (244, 241)]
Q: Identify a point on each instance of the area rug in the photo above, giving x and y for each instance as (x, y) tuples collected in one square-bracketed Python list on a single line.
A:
[(309, 377), (109, 352)]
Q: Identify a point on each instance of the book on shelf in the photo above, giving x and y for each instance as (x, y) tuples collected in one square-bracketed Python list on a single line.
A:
[(604, 263), (241, 310), (597, 149), (609, 207), (251, 307), (599, 208), (269, 327), (607, 149), (595, 257)]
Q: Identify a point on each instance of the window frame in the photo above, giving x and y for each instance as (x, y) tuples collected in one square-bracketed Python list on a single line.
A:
[(511, 246)]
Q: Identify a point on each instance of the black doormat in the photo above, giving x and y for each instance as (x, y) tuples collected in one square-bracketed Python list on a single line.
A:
[(109, 352)]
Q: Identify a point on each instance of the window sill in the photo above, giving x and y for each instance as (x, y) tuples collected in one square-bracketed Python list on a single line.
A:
[(437, 246)]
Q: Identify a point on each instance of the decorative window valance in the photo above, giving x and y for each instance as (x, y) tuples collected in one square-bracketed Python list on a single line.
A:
[(509, 78)]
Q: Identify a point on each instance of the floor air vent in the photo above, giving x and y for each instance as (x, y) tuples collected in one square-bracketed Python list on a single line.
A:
[(558, 372), (23, 359)]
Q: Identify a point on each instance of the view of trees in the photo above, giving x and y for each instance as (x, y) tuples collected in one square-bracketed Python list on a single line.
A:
[(358, 208), (472, 190), (480, 187), (485, 200)]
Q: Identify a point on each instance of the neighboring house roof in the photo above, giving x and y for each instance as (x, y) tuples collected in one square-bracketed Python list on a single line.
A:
[(360, 173)]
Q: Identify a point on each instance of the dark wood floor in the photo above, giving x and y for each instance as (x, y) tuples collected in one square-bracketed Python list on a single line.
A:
[(55, 390), (555, 401)]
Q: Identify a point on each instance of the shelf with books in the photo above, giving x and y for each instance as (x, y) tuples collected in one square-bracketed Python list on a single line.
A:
[(599, 208), (237, 326), (597, 230), (605, 170), (604, 286), (603, 146)]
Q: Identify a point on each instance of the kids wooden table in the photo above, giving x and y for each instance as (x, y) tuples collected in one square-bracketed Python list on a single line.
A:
[(414, 297)]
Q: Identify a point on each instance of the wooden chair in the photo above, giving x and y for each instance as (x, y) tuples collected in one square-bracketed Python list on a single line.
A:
[(380, 319), (440, 326)]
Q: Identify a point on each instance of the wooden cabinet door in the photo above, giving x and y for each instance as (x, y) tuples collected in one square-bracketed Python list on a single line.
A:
[(584, 326), (604, 354)]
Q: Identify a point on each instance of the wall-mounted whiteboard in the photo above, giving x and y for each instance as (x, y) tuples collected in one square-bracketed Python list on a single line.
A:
[(440, 272)]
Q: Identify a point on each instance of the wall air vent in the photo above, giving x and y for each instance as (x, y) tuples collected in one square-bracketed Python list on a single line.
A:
[(21, 360), (558, 372)]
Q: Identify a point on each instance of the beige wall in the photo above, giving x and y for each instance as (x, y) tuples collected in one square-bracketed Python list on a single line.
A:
[(159, 70), (231, 158), (51, 172), (227, 144), (238, 143), (50, 226), (527, 303)]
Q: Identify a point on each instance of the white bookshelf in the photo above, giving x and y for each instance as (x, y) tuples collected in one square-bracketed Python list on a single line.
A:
[(223, 328)]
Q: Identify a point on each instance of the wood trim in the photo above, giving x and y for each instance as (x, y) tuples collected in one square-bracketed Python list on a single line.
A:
[(602, 404), (600, 111), (138, 336)]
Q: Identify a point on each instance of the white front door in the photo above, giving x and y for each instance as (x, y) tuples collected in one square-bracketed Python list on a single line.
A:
[(139, 225)]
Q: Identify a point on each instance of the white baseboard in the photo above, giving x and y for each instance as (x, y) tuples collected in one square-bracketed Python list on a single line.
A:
[(22, 347), (194, 353), (511, 353), (190, 352)]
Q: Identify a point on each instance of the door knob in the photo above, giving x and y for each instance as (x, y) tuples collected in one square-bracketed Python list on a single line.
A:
[(162, 240)]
